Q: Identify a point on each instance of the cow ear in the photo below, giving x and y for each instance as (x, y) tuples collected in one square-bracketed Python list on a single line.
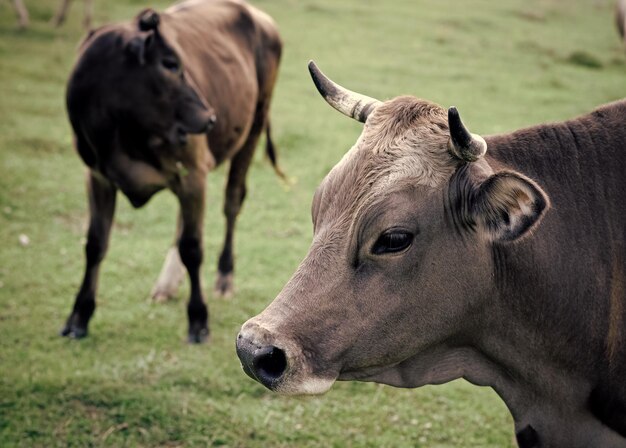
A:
[(139, 47), (507, 205), (148, 19)]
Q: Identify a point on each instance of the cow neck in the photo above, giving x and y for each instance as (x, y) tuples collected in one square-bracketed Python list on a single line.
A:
[(548, 403)]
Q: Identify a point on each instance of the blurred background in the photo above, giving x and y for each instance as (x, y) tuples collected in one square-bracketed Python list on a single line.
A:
[(134, 381)]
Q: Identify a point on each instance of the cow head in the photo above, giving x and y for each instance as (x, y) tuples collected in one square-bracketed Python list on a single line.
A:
[(401, 257), (130, 89)]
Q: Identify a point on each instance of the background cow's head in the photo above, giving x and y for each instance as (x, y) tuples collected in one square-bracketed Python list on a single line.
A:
[(404, 227), (130, 90)]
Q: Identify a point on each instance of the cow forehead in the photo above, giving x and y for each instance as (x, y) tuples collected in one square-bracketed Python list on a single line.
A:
[(108, 43), (405, 140), (111, 36)]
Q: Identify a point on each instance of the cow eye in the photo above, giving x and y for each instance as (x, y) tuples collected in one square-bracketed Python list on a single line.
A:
[(392, 241), (171, 64)]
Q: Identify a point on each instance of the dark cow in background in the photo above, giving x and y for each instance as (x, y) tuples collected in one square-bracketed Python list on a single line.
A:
[(142, 100), (434, 259)]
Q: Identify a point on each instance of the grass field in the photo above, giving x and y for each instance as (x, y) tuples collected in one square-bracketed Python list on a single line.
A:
[(134, 381)]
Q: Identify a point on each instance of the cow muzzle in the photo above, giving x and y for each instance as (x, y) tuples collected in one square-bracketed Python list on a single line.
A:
[(266, 364), (278, 363), (204, 125)]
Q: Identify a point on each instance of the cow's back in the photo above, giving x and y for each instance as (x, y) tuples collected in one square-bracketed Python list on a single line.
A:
[(231, 51)]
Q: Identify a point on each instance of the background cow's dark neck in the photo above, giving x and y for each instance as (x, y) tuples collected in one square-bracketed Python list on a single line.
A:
[(561, 289)]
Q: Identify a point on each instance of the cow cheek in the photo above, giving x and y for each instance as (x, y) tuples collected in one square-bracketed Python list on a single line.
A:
[(399, 312), (374, 325)]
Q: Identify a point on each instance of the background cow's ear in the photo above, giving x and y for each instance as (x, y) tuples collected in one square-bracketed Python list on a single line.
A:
[(507, 205), (139, 47)]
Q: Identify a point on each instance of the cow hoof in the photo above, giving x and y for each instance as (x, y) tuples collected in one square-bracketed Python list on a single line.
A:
[(224, 286), (73, 328), (198, 334), (161, 297), (170, 278), (73, 332)]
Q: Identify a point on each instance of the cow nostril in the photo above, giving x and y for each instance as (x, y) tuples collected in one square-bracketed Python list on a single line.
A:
[(266, 364), (270, 363)]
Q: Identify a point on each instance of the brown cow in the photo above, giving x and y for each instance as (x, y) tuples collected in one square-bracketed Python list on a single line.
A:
[(142, 99), (433, 259)]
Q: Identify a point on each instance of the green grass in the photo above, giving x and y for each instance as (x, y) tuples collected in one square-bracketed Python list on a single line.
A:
[(134, 381)]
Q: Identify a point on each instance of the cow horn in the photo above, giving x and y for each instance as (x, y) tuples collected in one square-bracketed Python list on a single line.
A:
[(349, 103), (463, 144)]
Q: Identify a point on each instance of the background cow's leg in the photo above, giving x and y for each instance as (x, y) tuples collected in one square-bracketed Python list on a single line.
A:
[(233, 200), (61, 14), (172, 273), (22, 13), (88, 14), (191, 198), (101, 195)]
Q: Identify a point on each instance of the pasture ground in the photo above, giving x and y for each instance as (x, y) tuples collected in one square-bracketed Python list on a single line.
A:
[(134, 381)]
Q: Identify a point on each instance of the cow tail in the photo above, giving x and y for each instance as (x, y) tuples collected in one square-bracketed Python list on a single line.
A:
[(270, 150)]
